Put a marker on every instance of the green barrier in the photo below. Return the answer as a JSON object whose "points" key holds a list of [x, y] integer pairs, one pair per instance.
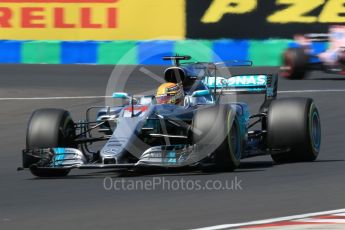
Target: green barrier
{"points": [[117, 52], [267, 52], [35, 52], [200, 50]]}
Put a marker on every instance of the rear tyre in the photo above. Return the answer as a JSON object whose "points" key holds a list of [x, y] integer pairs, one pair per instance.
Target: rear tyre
{"points": [[49, 128], [217, 134], [296, 62], [294, 124], [341, 57]]}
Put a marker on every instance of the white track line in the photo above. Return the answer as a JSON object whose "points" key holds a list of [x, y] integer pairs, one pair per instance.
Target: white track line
{"points": [[268, 221], [95, 97], [50, 98], [313, 91]]}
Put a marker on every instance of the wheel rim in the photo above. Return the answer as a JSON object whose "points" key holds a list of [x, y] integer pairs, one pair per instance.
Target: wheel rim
{"points": [[315, 130], [67, 134]]}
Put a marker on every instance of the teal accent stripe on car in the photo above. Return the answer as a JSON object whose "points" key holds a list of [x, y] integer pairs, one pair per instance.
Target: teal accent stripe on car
{"points": [[261, 52]]}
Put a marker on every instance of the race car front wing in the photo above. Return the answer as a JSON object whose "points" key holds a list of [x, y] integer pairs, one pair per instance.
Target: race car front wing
{"points": [[69, 158]]}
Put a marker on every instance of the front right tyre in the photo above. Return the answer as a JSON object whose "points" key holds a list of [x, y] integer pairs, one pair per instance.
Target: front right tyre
{"points": [[217, 134]]}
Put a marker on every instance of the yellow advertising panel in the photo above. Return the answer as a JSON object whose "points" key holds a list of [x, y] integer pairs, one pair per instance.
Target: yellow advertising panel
{"points": [[92, 19]]}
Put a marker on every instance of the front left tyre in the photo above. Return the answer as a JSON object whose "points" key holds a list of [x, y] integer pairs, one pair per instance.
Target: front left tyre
{"points": [[49, 128]]}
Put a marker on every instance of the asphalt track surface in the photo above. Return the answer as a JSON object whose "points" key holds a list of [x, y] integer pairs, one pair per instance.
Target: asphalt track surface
{"points": [[80, 201]]}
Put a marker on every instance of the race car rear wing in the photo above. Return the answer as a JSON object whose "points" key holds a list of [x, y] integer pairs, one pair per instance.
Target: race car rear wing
{"points": [[318, 37], [216, 76], [176, 59], [244, 84]]}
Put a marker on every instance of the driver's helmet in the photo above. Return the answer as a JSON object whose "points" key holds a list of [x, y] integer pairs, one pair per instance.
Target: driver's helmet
{"points": [[170, 93]]}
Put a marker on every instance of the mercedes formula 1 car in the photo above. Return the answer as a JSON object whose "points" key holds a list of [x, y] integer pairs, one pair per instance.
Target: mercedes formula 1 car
{"points": [[203, 133], [310, 52]]}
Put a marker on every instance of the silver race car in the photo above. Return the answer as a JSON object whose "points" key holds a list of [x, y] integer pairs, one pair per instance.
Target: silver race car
{"points": [[203, 132]]}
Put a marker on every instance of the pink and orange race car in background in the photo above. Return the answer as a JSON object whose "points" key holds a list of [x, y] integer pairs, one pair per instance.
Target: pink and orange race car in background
{"points": [[315, 52]]}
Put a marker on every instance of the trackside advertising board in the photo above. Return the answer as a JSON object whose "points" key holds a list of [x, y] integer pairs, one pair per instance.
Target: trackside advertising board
{"points": [[260, 19], [165, 19], [92, 19]]}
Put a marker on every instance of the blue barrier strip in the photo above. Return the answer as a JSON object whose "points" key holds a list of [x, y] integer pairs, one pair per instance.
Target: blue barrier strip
{"points": [[144, 52], [79, 52], [10, 51], [230, 50], [151, 52]]}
